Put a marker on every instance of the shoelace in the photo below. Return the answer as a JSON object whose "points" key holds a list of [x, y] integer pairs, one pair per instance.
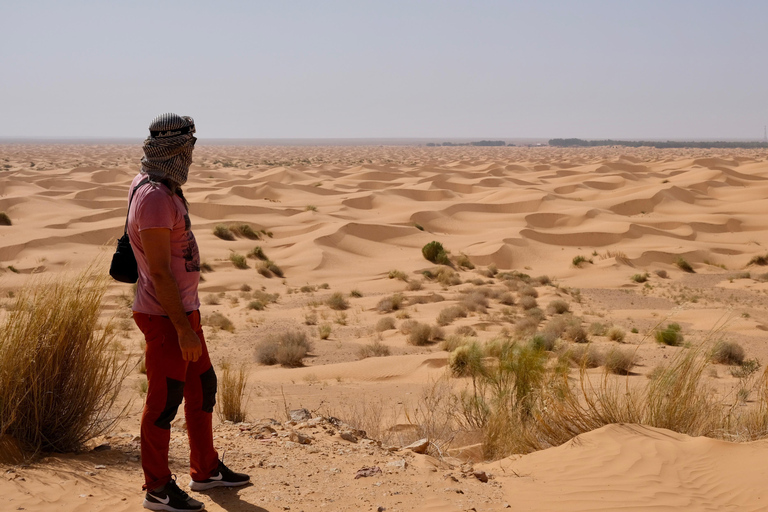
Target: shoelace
{"points": [[174, 487]]}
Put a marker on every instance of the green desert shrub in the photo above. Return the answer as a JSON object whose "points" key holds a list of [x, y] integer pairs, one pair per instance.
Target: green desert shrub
{"points": [[257, 253], [434, 252], [640, 278], [244, 231], [288, 348], [466, 360], [223, 232], [238, 260], [684, 265], [672, 335], [579, 260]]}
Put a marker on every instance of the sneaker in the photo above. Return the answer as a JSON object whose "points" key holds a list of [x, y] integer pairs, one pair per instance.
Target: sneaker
{"points": [[171, 498], [224, 477]]}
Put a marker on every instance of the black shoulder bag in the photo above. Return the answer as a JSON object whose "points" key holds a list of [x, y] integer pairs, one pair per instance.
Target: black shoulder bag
{"points": [[123, 267]]}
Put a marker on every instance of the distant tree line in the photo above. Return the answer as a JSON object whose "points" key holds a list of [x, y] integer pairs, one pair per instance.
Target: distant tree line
{"points": [[479, 143], [567, 143]]}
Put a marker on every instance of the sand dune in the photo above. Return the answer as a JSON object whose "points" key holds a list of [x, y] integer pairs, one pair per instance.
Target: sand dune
{"points": [[354, 219]]}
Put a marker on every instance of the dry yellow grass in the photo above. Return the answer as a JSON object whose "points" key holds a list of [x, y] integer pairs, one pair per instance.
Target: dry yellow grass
{"points": [[59, 376], [231, 399]]}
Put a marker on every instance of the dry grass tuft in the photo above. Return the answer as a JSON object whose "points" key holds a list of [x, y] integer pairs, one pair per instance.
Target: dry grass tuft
{"points": [[373, 349], [728, 352], [288, 348], [385, 324], [230, 398], [257, 253], [616, 334], [238, 260], [337, 302], [558, 307], [392, 303], [223, 232], [620, 362], [219, 321], [451, 313], [59, 376]]}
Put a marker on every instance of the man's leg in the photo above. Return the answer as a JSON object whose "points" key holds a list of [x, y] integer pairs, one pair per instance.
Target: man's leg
{"points": [[199, 400], [166, 372]]}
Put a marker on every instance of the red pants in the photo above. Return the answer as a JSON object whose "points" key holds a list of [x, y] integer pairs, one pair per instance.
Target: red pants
{"points": [[171, 379]]}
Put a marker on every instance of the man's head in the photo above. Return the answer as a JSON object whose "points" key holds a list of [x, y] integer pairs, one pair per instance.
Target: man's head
{"points": [[168, 149]]}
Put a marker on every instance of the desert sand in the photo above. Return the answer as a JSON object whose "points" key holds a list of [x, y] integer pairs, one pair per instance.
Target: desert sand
{"points": [[341, 219]]}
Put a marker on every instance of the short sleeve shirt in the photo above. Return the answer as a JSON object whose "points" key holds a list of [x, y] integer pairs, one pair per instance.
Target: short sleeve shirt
{"points": [[153, 207]]}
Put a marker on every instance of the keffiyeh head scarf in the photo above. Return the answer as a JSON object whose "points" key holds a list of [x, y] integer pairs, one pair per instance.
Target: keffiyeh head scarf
{"points": [[168, 149]]}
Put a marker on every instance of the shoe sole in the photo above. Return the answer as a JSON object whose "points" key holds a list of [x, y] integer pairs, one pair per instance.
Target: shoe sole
{"points": [[159, 506], [202, 486]]}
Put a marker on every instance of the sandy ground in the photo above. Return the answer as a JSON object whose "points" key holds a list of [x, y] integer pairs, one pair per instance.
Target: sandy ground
{"points": [[340, 220]]}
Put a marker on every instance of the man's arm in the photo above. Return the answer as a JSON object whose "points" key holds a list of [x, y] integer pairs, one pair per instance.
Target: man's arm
{"points": [[157, 248]]}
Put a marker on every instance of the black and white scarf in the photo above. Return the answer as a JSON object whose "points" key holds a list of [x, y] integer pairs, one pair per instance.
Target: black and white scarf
{"points": [[168, 149]]}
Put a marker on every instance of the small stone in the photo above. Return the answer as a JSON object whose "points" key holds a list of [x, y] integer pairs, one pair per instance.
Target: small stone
{"points": [[380, 509], [348, 436], [399, 464], [300, 438], [299, 415], [102, 448], [100, 466], [481, 475], [419, 446]]}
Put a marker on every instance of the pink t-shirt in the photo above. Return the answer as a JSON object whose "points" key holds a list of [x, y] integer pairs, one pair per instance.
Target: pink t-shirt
{"points": [[154, 206]]}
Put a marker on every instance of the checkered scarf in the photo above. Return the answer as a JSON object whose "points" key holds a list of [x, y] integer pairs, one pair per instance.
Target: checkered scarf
{"points": [[168, 149]]}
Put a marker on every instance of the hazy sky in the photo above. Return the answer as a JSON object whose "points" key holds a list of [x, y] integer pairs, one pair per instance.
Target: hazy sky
{"points": [[388, 68]]}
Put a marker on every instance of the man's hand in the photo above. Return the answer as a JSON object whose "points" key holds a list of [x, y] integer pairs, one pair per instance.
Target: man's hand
{"points": [[189, 342]]}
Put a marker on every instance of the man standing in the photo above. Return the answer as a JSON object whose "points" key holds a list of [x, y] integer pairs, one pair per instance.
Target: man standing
{"points": [[166, 309]]}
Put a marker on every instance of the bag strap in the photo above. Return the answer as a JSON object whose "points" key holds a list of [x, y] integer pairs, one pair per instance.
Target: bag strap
{"points": [[130, 199]]}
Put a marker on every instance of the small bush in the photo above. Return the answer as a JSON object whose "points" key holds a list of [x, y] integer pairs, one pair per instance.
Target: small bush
{"points": [[272, 267], [579, 260], [576, 333], [616, 334], [257, 253], [598, 329], [245, 231], [558, 307], [684, 265], [205, 267], [392, 303], [256, 305], [337, 302], [466, 360], [620, 362], [230, 398], [463, 262], [640, 278], [544, 341], [5, 220], [728, 352], [435, 253], [310, 318], [453, 342], [756, 260], [385, 324], [398, 274], [223, 232], [373, 349], [245, 287], [528, 291], [527, 302], [414, 286], [507, 298], [586, 356], [219, 321], [475, 302], [59, 375], [355, 293], [451, 313], [526, 326], [465, 330], [288, 348], [420, 335], [310, 208], [238, 260], [324, 331], [661, 273], [671, 336], [746, 368]]}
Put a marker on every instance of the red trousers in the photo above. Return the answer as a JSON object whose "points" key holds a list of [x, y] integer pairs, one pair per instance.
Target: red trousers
{"points": [[172, 379]]}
